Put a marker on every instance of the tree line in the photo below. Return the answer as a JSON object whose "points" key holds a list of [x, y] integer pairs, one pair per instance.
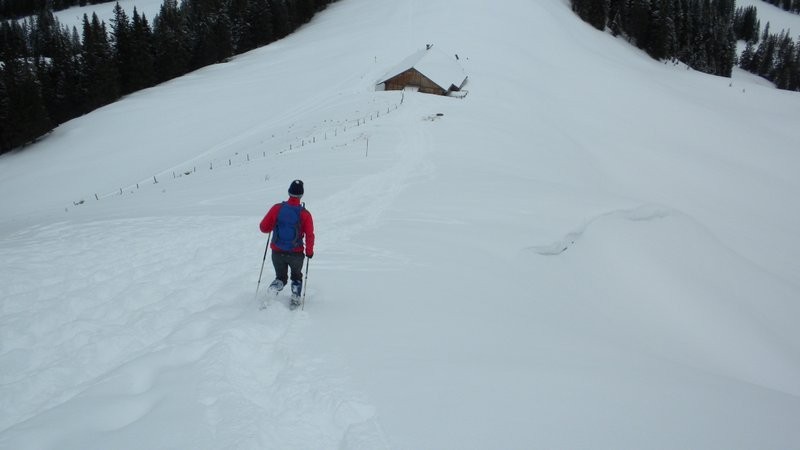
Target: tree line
{"points": [[786, 5], [697, 32], [50, 74], [15, 9], [701, 34], [775, 57]]}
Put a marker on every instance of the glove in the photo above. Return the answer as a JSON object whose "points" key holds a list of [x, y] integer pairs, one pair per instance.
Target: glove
{"points": [[309, 255]]}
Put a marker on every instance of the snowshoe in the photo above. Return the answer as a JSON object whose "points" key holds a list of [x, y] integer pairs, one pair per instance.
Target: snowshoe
{"points": [[272, 291], [276, 286]]}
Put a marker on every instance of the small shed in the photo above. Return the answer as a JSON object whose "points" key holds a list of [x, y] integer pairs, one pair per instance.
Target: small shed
{"points": [[428, 70]]}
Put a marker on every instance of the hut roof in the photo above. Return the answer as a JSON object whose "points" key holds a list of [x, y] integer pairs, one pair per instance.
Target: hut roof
{"points": [[434, 64]]}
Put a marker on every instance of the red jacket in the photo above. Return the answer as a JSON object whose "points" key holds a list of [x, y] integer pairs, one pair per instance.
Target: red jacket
{"points": [[306, 226]]}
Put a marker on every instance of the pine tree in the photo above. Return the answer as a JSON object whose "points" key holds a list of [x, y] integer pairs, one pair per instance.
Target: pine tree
{"points": [[259, 22], [172, 46], [662, 39], [99, 71], [785, 63], [43, 35], [615, 11], [301, 11], [281, 23], [121, 42], [13, 42], [594, 12], [746, 24], [766, 54], [5, 114], [747, 58], [211, 31], [26, 115], [143, 70], [638, 22], [60, 79]]}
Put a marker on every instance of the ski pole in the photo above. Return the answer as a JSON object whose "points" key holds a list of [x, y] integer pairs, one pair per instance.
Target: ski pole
{"points": [[305, 285], [269, 238]]}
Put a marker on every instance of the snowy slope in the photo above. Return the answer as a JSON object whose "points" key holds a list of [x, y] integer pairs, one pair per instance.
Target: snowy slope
{"points": [[73, 17], [777, 18], [591, 250]]}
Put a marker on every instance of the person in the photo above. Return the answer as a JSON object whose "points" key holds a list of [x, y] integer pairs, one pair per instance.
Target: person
{"points": [[292, 228]]}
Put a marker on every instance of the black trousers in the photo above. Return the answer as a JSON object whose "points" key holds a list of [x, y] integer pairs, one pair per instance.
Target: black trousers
{"points": [[284, 261]]}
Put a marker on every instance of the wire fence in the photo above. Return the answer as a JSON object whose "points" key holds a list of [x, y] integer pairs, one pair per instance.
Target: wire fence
{"points": [[339, 133]]}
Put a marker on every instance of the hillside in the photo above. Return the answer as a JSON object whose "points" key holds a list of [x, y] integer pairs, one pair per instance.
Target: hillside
{"points": [[592, 249]]}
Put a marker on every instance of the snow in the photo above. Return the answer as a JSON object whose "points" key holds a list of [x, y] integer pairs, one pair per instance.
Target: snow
{"points": [[591, 250], [73, 17], [777, 17]]}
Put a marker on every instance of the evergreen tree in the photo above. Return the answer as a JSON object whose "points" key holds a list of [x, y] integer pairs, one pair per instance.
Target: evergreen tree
{"points": [[143, 69], [615, 11], [594, 12], [60, 78], [5, 114], [121, 42], [638, 22], [723, 44], [99, 71], [765, 55], [171, 41], [662, 39], [747, 58], [746, 24], [43, 34], [281, 23], [237, 13], [301, 11], [257, 26], [785, 63], [211, 31], [26, 115], [13, 42]]}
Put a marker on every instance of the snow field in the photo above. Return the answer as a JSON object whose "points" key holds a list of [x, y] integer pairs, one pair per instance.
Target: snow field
{"points": [[122, 350], [592, 249]]}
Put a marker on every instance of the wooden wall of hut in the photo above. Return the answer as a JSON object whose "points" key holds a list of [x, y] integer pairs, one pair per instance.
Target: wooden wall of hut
{"points": [[412, 77]]}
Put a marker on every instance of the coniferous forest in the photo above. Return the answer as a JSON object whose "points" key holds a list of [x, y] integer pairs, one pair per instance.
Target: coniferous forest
{"points": [[15, 9], [50, 74], [786, 5], [702, 34]]}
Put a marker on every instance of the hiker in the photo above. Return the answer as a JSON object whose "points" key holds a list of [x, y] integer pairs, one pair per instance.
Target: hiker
{"points": [[290, 223]]}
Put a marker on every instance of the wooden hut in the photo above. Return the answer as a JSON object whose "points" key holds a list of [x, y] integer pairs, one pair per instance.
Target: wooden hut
{"points": [[429, 71]]}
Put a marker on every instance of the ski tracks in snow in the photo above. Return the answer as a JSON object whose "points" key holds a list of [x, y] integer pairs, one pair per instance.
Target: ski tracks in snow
{"points": [[359, 207], [153, 321]]}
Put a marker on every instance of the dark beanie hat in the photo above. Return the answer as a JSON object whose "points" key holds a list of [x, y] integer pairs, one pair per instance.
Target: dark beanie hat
{"points": [[296, 188]]}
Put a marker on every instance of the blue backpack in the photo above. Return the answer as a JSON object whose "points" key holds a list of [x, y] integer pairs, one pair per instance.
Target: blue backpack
{"points": [[286, 235]]}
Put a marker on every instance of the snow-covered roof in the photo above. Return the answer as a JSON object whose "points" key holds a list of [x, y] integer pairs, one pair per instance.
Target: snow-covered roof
{"points": [[436, 65]]}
